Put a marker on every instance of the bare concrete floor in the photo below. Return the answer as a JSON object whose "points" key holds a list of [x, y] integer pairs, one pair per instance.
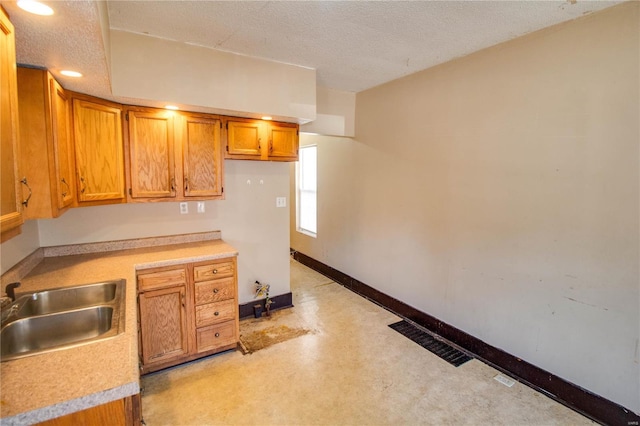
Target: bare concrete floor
{"points": [[333, 360]]}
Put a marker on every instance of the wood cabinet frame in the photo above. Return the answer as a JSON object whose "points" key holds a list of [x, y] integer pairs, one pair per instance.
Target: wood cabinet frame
{"points": [[221, 319], [181, 157], [248, 139], [113, 160], [11, 220], [47, 153]]}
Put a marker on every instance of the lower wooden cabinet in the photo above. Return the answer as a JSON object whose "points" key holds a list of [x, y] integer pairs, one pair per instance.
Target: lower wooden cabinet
{"points": [[187, 312], [126, 412], [164, 328]]}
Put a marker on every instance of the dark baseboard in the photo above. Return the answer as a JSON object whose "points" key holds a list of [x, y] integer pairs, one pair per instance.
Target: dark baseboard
{"points": [[573, 396], [281, 301]]}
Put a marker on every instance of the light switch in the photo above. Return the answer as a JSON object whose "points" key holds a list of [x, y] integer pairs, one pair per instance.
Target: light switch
{"points": [[281, 201], [184, 208], [200, 206]]}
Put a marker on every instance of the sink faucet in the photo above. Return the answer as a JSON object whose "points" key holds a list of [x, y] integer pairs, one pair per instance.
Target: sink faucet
{"points": [[11, 290]]}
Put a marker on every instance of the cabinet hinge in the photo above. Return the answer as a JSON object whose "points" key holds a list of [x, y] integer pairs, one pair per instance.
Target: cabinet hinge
{"points": [[227, 148], [227, 124], [223, 189], [220, 124], [126, 116], [130, 192]]}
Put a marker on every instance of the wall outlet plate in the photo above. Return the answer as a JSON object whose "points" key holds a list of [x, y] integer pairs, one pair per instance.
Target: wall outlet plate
{"points": [[281, 201], [184, 208]]}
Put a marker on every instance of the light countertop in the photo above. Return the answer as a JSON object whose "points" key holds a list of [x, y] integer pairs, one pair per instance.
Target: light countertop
{"points": [[48, 385]]}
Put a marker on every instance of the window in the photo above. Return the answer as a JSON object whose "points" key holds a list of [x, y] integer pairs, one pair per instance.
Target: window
{"points": [[306, 190]]}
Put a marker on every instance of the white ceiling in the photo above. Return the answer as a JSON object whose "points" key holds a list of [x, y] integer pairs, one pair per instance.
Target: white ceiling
{"points": [[353, 45]]}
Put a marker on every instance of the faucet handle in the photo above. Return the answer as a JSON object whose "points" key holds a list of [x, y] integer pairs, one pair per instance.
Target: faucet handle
{"points": [[11, 290]]}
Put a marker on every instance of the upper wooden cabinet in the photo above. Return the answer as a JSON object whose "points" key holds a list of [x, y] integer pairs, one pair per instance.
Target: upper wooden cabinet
{"points": [[261, 140], [46, 150], [173, 156], [151, 168], [10, 202], [97, 129], [201, 156]]}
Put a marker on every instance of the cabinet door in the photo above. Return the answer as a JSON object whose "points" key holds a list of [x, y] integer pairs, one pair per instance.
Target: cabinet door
{"points": [[10, 205], [151, 155], [283, 141], [99, 151], [163, 324], [244, 137], [62, 148], [202, 163]]}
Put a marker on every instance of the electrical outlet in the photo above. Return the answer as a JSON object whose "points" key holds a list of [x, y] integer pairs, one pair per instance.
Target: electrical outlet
{"points": [[281, 201], [200, 206], [184, 208]]}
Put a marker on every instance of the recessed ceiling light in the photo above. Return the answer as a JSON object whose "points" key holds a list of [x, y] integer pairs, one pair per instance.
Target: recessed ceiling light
{"points": [[70, 73], [267, 117], [172, 107], [35, 7]]}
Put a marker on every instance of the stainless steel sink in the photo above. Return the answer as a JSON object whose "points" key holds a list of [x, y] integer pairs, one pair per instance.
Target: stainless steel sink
{"points": [[56, 319], [63, 299]]}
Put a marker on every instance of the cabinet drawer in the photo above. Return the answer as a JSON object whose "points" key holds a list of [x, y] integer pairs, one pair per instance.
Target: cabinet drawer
{"points": [[215, 291], [161, 279], [213, 313], [213, 271], [215, 336]]}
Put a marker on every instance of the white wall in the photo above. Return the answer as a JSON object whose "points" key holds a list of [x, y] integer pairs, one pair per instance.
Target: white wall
{"points": [[146, 67], [248, 219], [500, 193], [335, 113], [17, 248]]}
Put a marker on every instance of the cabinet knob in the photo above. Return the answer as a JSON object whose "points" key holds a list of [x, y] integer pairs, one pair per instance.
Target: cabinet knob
{"points": [[215, 291], [215, 271], [217, 334], [216, 313]]}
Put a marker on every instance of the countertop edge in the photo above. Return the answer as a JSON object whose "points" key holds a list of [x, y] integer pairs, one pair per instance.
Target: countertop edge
{"points": [[67, 407], [180, 261]]}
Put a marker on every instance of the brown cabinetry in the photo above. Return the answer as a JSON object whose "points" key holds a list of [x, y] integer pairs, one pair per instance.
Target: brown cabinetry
{"points": [[10, 204], [186, 312], [173, 156], [46, 150], [162, 301], [99, 151], [261, 140], [216, 305], [126, 412]]}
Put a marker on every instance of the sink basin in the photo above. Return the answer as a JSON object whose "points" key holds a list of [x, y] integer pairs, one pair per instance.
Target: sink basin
{"points": [[38, 333], [56, 319], [63, 299]]}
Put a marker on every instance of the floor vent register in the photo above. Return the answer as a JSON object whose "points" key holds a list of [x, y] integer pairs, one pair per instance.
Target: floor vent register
{"points": [[450, 354]]}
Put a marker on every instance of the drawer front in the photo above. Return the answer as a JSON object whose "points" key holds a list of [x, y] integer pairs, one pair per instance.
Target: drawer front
{"points": [[215, 291], [213, 271], [157, 280], [216, 336], [213, 313]]}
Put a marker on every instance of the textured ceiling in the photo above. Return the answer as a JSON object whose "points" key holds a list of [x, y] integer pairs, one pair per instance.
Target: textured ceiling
{"points": [[353, 45]]}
